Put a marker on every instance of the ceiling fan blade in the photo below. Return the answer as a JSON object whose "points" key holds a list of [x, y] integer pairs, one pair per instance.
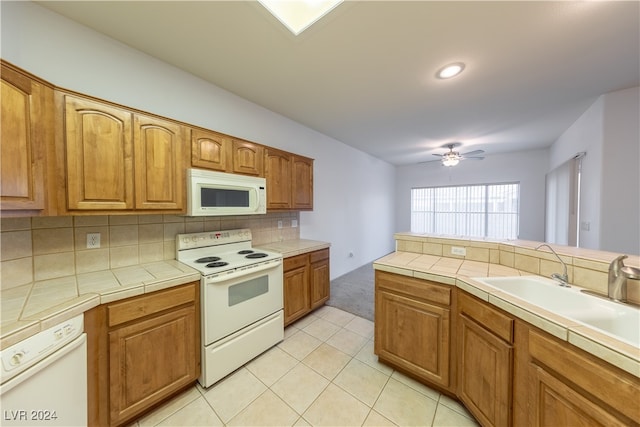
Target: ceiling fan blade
{"points": [[472, 158], [430, 161], [439, 155], [472, 153]]}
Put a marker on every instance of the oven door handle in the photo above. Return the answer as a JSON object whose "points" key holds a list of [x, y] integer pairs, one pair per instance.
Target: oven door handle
{"points": [[243, 272]]}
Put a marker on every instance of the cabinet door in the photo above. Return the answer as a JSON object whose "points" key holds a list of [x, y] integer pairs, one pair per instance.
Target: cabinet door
{"points": [[296, 293], [413, 335], [302, 183], [99, 155], [210, 150], [247, 158], [556, 403], [149, 360], [319, 273], [159, 170], [23, 139], [570, 387], [277, 171], [484, 374]]}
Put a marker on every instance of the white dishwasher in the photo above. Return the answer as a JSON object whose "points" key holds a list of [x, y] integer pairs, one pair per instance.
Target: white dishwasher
{"points": [[44, 378]]}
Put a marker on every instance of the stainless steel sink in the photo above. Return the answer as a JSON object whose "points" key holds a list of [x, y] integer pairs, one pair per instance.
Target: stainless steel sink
{"points": [[618, 320]]}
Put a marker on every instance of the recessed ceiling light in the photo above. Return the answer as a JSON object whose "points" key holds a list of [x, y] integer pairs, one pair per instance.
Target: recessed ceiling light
{"points": [[298, 15], [450, 70]]}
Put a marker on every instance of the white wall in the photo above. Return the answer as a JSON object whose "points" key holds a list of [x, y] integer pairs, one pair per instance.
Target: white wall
{"points": [[620, 198], [527, 167], [610, 199], [353, 206], [585, 135]]}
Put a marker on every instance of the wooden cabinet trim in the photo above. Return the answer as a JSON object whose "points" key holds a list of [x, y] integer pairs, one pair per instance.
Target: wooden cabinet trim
{"points": [[126, 311], [490, 318], [295, 261], [415, 288], [319, 255]]}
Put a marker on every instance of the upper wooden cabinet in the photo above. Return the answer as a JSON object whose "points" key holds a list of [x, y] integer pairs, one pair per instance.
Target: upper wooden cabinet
{"points": [[289, 180], [26, 134], [210, 150], [159, 169], [277, 172], [98, 143], [247, 158], [302, 183], [117, 160]]}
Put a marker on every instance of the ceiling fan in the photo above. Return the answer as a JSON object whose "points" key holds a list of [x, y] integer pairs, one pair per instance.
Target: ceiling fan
{"points": [[452, 158]]}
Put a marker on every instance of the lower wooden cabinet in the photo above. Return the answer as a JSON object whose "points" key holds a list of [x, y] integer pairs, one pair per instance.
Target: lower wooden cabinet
{"points": [[306, 284], [142, 350], [569, 387], [412, 326], [485, 361]]}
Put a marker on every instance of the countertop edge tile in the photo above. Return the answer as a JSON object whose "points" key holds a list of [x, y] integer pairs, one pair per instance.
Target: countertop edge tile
{"points": [[159, 285], [582, 338], [19, 331]]}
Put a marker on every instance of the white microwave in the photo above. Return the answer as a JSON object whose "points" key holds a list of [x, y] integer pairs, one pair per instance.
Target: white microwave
{"points": [[217, 193]]}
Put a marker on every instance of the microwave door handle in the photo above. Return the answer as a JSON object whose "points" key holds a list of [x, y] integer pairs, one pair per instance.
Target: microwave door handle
{"points": [[243, 272]]}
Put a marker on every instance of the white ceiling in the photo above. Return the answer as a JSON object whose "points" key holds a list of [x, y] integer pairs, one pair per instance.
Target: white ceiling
{"points": [[364, 74]]}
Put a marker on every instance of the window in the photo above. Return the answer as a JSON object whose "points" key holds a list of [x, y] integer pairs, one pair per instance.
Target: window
{"points": [[488, 210]]}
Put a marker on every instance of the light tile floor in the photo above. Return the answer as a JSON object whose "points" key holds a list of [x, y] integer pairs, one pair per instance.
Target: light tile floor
{"points": [[324, 373]]}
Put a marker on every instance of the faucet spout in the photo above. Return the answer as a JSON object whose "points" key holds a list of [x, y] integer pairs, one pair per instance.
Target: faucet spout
{"points": [[618, 275], [562, 278]]}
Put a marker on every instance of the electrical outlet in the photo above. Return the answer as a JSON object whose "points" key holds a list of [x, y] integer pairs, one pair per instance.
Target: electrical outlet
{"points": [[456, 250], [294, 223], [93, 240], [279, 224]]}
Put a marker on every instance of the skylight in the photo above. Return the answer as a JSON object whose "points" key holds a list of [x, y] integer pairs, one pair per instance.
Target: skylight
{"points": [[298, 15]]}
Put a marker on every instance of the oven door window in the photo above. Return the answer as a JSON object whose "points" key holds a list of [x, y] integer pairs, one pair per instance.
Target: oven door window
{"points": [[247, 290], [224, 198]]}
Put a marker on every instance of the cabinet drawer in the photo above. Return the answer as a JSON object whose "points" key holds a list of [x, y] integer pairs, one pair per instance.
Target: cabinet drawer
{"points": [[499, 324], [319, 255], [125, 311], [294, 262], [414, 288]]}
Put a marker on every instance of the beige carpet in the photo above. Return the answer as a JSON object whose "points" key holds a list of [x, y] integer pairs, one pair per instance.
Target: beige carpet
{"points": [[353, 292]]}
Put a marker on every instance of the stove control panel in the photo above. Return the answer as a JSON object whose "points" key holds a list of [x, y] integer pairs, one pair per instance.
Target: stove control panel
{"points": [[212, 238]]}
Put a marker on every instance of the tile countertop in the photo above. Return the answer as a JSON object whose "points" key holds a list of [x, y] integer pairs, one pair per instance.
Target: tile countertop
{"points": [[289, 248], [28, 309], [458, 272]]}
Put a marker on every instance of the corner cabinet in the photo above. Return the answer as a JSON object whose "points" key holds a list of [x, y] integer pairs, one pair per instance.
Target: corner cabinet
{"points": [[141, 351], [289, 180], [485, 361], [306, 284], [118, 160], [26, 135], [413, 326]]}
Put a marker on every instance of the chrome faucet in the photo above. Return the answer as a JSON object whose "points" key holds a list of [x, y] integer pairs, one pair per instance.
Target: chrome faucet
{"points": [[618, 275], [563, 278]]}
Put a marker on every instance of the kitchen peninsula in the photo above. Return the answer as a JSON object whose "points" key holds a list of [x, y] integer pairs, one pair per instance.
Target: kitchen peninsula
{"points": [[509, 361]]}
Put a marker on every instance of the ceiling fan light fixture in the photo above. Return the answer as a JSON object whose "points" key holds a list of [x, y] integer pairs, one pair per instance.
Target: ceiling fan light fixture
{"points": [[450, 161], [449, 71]]}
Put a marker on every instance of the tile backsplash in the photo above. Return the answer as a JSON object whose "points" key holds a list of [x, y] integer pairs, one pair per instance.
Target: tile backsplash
{"points": [[42, 248]]}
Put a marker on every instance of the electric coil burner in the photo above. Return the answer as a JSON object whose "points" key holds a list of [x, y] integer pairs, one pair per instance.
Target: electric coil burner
{"points": [[241, 298]]}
